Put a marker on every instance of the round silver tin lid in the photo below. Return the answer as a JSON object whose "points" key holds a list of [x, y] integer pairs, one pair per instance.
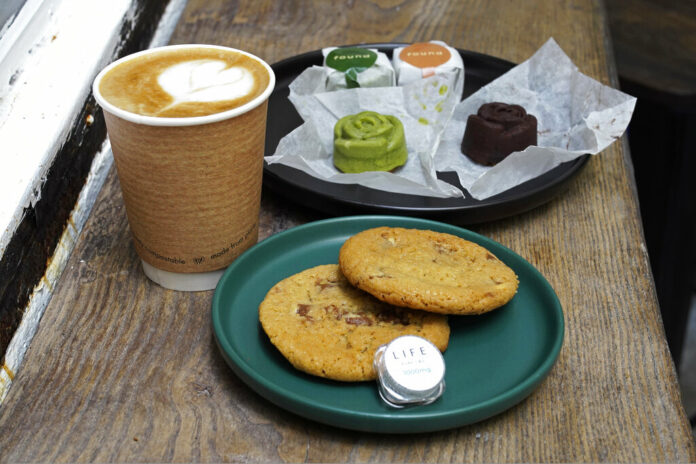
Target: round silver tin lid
{"points": [[410, 371]]}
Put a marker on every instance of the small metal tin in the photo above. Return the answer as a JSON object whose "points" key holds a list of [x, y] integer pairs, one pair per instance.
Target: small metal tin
{"points": [[410, 371]]}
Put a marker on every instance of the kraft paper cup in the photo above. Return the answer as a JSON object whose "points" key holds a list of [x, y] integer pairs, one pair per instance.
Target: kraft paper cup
{"points": [[191, 186]]}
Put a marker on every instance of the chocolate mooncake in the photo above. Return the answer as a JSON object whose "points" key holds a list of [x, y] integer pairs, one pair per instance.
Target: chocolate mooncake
{"points": [[497, 130]]}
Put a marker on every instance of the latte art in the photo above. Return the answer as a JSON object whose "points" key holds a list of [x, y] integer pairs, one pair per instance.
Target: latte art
{"points": [[185, 82], [206, 81]]}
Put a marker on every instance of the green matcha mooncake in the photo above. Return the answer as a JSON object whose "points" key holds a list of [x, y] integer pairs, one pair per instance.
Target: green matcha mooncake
{"points": [[369, 141]]}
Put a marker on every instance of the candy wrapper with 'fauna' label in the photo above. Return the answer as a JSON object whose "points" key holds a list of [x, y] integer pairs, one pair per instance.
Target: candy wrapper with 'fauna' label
{"points": [[576, 115], [351, 67], [423, 107], [425, 59]]}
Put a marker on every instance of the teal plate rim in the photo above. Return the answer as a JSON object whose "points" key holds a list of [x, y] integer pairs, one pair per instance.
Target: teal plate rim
{"points": [[494, 361]]}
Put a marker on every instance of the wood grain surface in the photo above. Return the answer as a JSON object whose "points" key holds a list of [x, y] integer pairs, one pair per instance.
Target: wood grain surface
{"points": [[655, 43], [124, 371]]}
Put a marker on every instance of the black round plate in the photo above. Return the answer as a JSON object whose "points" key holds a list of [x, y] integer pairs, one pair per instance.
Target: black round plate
{"points": [[343, 199]]}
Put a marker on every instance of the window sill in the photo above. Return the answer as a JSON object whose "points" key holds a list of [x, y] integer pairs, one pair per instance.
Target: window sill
{"points": [[55, 155]]}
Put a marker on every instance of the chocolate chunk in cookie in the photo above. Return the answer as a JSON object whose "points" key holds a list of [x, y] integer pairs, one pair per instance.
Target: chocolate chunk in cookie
{"points": [[326, 327]]}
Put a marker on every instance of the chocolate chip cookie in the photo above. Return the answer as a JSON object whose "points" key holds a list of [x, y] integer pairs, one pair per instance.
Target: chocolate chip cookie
{"points": [[427, 270], [326, 327]]}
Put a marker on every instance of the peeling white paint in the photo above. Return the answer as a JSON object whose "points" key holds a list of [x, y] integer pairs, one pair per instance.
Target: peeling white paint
{"points": [[75, 39], [48, 67], [44, 289]]}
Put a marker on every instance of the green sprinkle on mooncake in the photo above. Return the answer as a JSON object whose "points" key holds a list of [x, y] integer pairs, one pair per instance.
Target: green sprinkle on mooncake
{"points": [[369, 141]]}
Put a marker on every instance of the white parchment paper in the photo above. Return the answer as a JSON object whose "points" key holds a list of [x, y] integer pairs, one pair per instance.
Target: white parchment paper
{"points": [[424, 108], [576, 115]]}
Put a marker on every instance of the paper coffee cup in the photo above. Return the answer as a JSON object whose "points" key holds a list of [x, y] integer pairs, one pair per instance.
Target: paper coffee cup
{"points": [[191, 182]]}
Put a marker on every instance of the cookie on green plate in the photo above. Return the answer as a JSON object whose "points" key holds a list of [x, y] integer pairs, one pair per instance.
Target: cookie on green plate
{"points": [[427, 270], [326, 327]]}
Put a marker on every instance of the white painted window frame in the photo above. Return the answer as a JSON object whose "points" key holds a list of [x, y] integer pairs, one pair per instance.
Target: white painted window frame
{"points": [[50, 51]]}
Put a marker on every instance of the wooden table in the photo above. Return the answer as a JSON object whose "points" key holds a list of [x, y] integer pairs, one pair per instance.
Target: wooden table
{"points": [[655, 48], [122, 370]]}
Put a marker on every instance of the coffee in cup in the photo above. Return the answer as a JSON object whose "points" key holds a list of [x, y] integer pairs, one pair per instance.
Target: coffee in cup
{"points": [[184, 82], [187, 129]]}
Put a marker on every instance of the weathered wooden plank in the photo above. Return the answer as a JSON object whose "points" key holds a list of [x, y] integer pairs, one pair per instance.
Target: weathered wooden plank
{"points": [[655, 43]]}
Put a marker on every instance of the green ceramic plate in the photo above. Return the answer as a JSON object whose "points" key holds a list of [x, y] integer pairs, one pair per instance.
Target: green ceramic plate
{"points": [[493, 361]]}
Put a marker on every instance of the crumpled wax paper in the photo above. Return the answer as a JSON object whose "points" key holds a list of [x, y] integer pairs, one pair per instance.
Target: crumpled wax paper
{"points": [[576, 115], [424, 108]]}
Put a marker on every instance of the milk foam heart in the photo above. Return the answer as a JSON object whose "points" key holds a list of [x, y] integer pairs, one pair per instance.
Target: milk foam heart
{"points": [[184, 81], [205, 81]]}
